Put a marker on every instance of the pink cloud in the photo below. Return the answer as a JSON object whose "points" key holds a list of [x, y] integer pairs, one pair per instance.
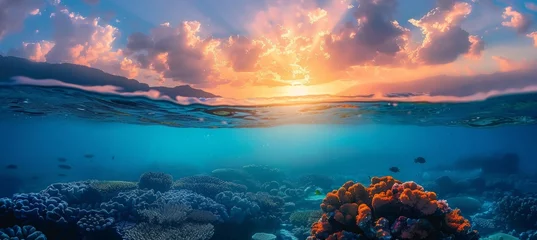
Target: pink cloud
{"points": [[477, 47], [33, 51], [177, 53], [445, 40], [80, 40], [507, 65], [514, 19], [533, 36]]}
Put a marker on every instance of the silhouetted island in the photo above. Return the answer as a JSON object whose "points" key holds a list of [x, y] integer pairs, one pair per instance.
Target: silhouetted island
{"points": [[86, 76]]}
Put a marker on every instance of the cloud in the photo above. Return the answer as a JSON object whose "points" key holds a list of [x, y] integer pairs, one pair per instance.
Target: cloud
{"points": [[243, 53], [14, 12], [177, 53], [457, 86], [80, 40], [507, 65], [533, 36], [317, 15], [514, 19], [531, 6], [374, 39], [445, 40], [33, 51], [477, 46], [287, 44]]}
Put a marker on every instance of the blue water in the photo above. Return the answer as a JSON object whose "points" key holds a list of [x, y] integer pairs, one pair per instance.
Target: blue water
{"points": [[35, 138]]}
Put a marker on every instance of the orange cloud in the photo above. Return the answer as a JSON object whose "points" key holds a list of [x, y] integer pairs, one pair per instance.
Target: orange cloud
{"points": [[516, 20], [507, 64], [33, 51]]}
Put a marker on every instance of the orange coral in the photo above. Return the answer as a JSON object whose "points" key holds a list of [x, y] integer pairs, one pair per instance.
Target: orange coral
{"points": [[425, 202], [381, 184], [364, 214], [355, 205], [347, 213], [321, 225], [331, 202], [359, 193], [456, 222], [382, 199]]}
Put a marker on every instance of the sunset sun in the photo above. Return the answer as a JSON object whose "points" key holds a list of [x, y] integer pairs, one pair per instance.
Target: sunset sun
{"points": [[297, 90]]}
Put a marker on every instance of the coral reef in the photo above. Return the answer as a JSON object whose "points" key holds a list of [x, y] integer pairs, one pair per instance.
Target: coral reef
{"points": [[202, 216], [95, 222], [516, 212], [305, 218], [187, 231], [195, 201], [207, 186], [35, 208], [6, 206], [386, 209], [109, 189], [166, 214], [264, 236], [72, 192], [22, 233], [238, 206], [157, 181]]}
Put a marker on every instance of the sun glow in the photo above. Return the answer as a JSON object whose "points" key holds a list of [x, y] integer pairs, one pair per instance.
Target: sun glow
{"points": [[296, 90]]}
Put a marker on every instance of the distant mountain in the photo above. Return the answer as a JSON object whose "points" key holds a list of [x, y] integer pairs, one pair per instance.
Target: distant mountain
{"points": [[86, 76], [444, 85]]}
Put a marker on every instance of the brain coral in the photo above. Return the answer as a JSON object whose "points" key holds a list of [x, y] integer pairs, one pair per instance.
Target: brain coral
{"points": [[388, 209]]}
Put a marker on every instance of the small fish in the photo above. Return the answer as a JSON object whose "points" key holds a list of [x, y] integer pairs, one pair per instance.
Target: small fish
{"points": [[35, 178], [12, 166], [113, 157], [89, 155], [394, 169], [60, 159], [318, 192], [419, 160], [62, 175], [64, 166]]}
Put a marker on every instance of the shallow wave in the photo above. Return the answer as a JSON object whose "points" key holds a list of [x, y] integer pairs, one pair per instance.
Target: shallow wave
{"points": [[26, 97]]}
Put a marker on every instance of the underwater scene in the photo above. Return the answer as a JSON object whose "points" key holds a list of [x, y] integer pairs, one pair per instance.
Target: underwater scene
{"points": [[85, 165], [268, 120]]}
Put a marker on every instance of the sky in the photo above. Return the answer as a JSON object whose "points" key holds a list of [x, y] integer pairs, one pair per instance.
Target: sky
{"points": [[266, 48]]}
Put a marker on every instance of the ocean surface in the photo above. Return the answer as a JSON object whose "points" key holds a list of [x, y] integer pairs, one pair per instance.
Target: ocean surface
{"points": [[57, 142]]}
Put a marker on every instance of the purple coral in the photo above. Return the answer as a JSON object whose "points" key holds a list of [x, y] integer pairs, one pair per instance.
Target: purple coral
{"points": [[94, 223], [207, 186], [194, 201], [517, 212], [72, 192], [6, 207], [157, 181], [35, 207], [238, 205], [22, 233]]}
